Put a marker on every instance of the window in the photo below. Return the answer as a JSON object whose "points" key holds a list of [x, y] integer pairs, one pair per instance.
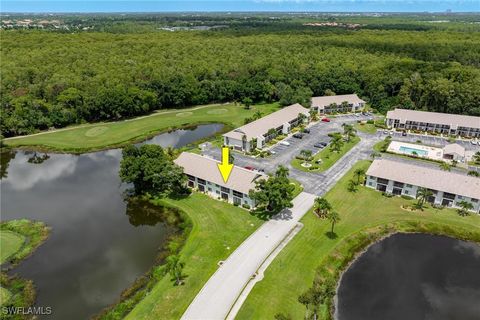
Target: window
{"points": [[217, 192], [237, 194], [225, 189], [382, 181], [474, 200], [408, 185], [191, 178], [398, 184], [201, 181], [405, 192], [209, 189], [370, 184]]}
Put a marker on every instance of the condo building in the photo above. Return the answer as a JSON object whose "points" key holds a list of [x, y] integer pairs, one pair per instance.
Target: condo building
{"points": [[257, 133], [400, 178], [450, 124], [203, 174], [337, 104]]}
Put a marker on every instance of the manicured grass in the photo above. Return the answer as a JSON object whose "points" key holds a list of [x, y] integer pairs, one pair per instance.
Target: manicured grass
{"points": [[5, 296], [111, 134], [327, 156], [217, 229], [366, 127], [293, 271], [10, 243], [31, 234]]}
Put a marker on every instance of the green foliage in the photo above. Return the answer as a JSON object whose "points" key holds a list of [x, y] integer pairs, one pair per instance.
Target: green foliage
{"points": [[337, 142], [274, 193], [465, 206], [128, 67], [151, 170]]}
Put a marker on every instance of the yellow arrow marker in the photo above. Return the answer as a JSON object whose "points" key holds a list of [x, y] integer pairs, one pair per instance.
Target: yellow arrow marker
{"points": [[225, 168]]}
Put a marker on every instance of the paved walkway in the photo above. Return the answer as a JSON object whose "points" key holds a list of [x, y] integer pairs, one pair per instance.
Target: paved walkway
{"points": [[219, 294]]}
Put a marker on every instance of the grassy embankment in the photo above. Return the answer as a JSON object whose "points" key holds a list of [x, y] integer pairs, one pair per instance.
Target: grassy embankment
{"points": [[217, 229], [18, 239], [366, 128], [327, 157], [98, 136], [294, 270]]}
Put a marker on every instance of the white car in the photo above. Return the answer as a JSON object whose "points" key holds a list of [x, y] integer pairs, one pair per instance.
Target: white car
{"points": [[285, 143], [356, 115], [272, 152]]}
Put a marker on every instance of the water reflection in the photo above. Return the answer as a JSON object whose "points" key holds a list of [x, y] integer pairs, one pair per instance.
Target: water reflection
{"points": [[413, 276], [99, 244]]}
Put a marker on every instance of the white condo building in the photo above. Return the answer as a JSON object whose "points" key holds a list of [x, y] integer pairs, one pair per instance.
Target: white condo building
{"points": [[341, 103], [448, 188]]}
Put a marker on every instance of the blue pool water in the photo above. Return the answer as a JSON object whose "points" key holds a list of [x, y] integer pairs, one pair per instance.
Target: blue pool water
{"points": [[412, 150]]}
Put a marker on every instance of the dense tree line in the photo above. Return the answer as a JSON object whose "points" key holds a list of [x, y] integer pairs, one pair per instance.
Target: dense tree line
{"points": [[53, 79]]}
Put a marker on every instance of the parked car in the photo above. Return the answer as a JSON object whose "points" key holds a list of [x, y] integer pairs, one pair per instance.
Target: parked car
{"points": [[404, 133], [298, 136], [306, 130], [325, 120], [356, 115], [272, 152], [249, 168], [385, 131], [285, 143], [319, 145]]}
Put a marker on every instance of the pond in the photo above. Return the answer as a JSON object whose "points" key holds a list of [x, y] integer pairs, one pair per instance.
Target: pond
{"points": [[412, 276], [99, 244]]}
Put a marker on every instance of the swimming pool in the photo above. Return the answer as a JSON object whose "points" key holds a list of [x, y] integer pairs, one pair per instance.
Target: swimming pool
{"points": [[413, 151]]}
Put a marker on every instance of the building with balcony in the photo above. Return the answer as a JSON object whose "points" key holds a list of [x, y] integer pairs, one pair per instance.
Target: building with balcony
{"points": [[257, 133], [400, 178], [434, 122], [337, 104], [203, 174]]}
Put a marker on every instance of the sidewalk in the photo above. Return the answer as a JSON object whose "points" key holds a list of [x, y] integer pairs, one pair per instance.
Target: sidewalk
{"points": [[219, 294]]}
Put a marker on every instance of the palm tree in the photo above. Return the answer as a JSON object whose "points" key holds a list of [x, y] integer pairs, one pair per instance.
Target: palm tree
{"points": [[313, 115], [336, 144], [473, 173], [352, 186], [282, 172], [171, 152], [359, 173], [422, 196], [334, 218], [464, 208], [476, 157], [348, 131], [374, 155], [445, 166], [306, 154], [257, 115], [322, 207], [175, 268]]}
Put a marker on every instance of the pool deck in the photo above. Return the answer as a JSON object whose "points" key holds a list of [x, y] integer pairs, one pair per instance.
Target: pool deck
{"points": [[431, 152]]}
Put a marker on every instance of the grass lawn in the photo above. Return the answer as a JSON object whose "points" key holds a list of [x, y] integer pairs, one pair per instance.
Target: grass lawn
{"points": [[366, 127], [22, 238], [327, 156], [98, 136], [217, 229], [5, 295], [293, 271], [10, 243]]}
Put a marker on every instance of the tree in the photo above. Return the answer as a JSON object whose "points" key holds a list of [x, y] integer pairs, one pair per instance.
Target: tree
{"points": [[422, 195], [473, 173], [274, 193], [247, 102], [306, 154], [257, 115], [445, 166], [151, 170], [374, 155], [322, 207], [171, 152], [334, 218], [175, 267], [352, 186], [337, 143], [313, 115], [476, 157], [359, 173], [464, 208], [329, 92], [348, 131]]}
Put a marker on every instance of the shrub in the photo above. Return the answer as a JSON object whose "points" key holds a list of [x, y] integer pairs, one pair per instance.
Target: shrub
{"points": [[246, 206]]}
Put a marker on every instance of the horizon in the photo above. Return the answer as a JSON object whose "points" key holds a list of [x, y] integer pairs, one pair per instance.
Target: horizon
{"points": [[242, 6]]}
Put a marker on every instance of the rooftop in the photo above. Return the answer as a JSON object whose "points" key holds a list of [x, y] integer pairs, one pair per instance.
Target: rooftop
{"points": [[240, 179], [328, 100], [426, 177], [434, 117], [454, 148], [261, 126]]}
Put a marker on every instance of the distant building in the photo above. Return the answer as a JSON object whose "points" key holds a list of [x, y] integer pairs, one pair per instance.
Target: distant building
{"points": [[341, 103], [255, 134], [448, 188], [451, 124], [203, 174]]}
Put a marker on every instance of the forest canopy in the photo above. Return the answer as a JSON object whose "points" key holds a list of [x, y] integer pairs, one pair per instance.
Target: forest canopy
{"points": [[53, 79]]}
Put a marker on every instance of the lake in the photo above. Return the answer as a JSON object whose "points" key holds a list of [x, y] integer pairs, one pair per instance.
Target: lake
{"points": [[98, 245], [414, 277]]}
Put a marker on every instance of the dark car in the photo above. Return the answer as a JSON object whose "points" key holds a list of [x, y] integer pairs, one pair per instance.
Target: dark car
{"points": [[306, 130], [319, 145], [404, 133], [298, 135]]}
